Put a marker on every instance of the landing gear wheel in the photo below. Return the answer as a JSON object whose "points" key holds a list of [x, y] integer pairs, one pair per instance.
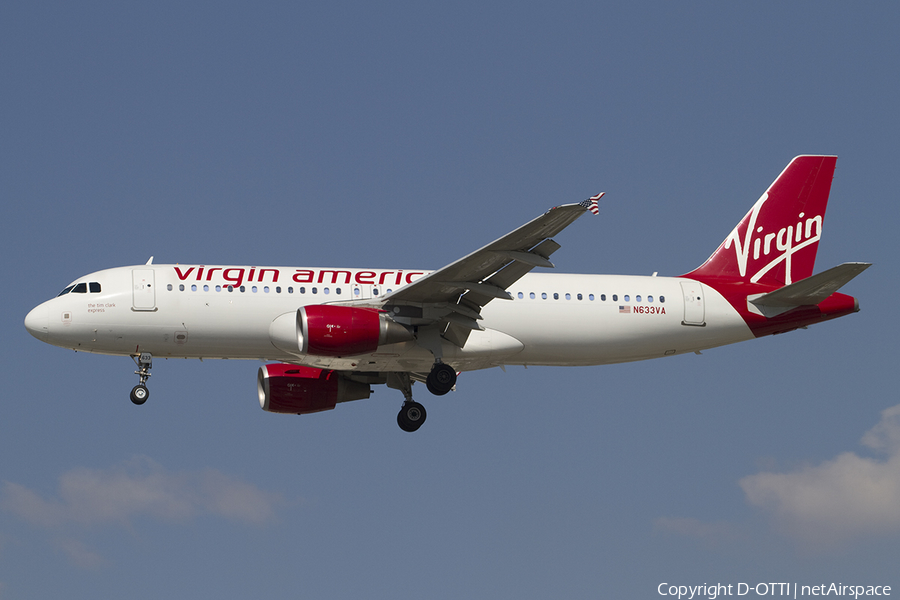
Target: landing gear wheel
{"points": [[144, 362], [139, 394], [441, 379], [411, 416]]}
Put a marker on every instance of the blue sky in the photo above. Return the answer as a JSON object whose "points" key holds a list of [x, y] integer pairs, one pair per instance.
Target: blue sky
{"points": [[407, 135]]}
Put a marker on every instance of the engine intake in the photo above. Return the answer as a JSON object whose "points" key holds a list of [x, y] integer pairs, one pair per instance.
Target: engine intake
{"points": [[325, 330], [294, 389]]}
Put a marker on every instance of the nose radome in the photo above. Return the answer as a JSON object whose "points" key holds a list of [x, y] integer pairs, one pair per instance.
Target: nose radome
{"points": [[37, 322]]}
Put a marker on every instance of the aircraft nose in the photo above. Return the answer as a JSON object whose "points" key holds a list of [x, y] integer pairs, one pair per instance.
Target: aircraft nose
{"points": [[37, 322]]}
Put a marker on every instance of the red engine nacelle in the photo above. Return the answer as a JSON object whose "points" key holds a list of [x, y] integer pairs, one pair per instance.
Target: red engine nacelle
{"points": [[299, 390], [339, 330], [325, 330]]}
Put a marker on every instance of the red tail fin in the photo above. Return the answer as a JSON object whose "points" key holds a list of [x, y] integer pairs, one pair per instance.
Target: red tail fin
{"points": [[776, 242]]}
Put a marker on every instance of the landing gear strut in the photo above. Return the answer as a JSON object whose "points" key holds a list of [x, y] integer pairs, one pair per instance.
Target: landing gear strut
{"points": [[140, 393], [441, 379], [412, 414]]}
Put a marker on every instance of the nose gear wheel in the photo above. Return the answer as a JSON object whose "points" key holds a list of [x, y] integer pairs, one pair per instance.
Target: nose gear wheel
{"points": [[140, 393]]}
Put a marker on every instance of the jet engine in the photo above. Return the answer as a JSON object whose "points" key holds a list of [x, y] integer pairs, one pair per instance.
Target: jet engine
{"points": [[299, 390], [326, 330]]}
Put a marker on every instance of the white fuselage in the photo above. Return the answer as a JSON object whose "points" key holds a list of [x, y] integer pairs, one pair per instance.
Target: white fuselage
{"points": [[226, 312]]}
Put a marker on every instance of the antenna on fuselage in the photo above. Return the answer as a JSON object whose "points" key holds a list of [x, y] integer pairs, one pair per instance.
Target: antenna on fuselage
{"points": [[150, 262]]}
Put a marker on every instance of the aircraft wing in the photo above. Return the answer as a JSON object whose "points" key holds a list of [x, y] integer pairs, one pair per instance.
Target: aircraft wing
{"points": [[456, 293]]}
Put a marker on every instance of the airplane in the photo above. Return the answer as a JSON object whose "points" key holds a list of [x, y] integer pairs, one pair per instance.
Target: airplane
{"points": [[330, 334]]}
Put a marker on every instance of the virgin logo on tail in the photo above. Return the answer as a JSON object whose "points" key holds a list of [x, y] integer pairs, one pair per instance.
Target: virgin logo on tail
{"points": [[776, 242], [786, 240]]}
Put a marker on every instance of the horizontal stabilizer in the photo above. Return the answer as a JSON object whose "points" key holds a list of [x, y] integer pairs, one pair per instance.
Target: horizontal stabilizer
{"points": [[806, 292]]}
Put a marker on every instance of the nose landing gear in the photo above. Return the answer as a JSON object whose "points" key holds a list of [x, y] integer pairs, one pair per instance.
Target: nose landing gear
{"points": [[140, 393]]}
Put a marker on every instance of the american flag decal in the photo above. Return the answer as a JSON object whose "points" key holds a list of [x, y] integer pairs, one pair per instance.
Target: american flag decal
{"points": [[591, 203], [625, 309]]}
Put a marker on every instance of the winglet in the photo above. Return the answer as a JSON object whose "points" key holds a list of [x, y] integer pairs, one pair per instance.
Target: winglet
{"points": [[591, 203]]}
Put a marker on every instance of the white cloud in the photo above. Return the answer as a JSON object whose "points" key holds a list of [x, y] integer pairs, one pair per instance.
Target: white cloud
{"points": [[79, 554], [140, 487], [847, 496], [886, 435]]}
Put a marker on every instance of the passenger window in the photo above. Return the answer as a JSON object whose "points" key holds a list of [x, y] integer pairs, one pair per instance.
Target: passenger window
{"points": [[180, 287], [194, 287], [579, 297], [531, 295], [520, 295], [590, 297], [602, 297], [277, 289], [302, 290], [555, 296], [375, 291], [637, 298], [543, 295], [615, 297], [356, 291], [266, 289], [662, 298], [627, 298], [94, 287], [253, 289], [218, 288], [205, 288], [337, 291], [243, 289], [230, 288], [169, 287], [649, 298], [568, 296], [290, 290]]}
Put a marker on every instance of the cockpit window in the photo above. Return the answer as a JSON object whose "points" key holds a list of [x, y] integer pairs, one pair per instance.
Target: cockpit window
{"points": [[81, 288]]}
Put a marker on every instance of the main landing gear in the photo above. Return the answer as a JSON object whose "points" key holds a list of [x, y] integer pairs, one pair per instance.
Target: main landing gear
{"points": [[412, 415], [441, 379], [140, 393]]}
